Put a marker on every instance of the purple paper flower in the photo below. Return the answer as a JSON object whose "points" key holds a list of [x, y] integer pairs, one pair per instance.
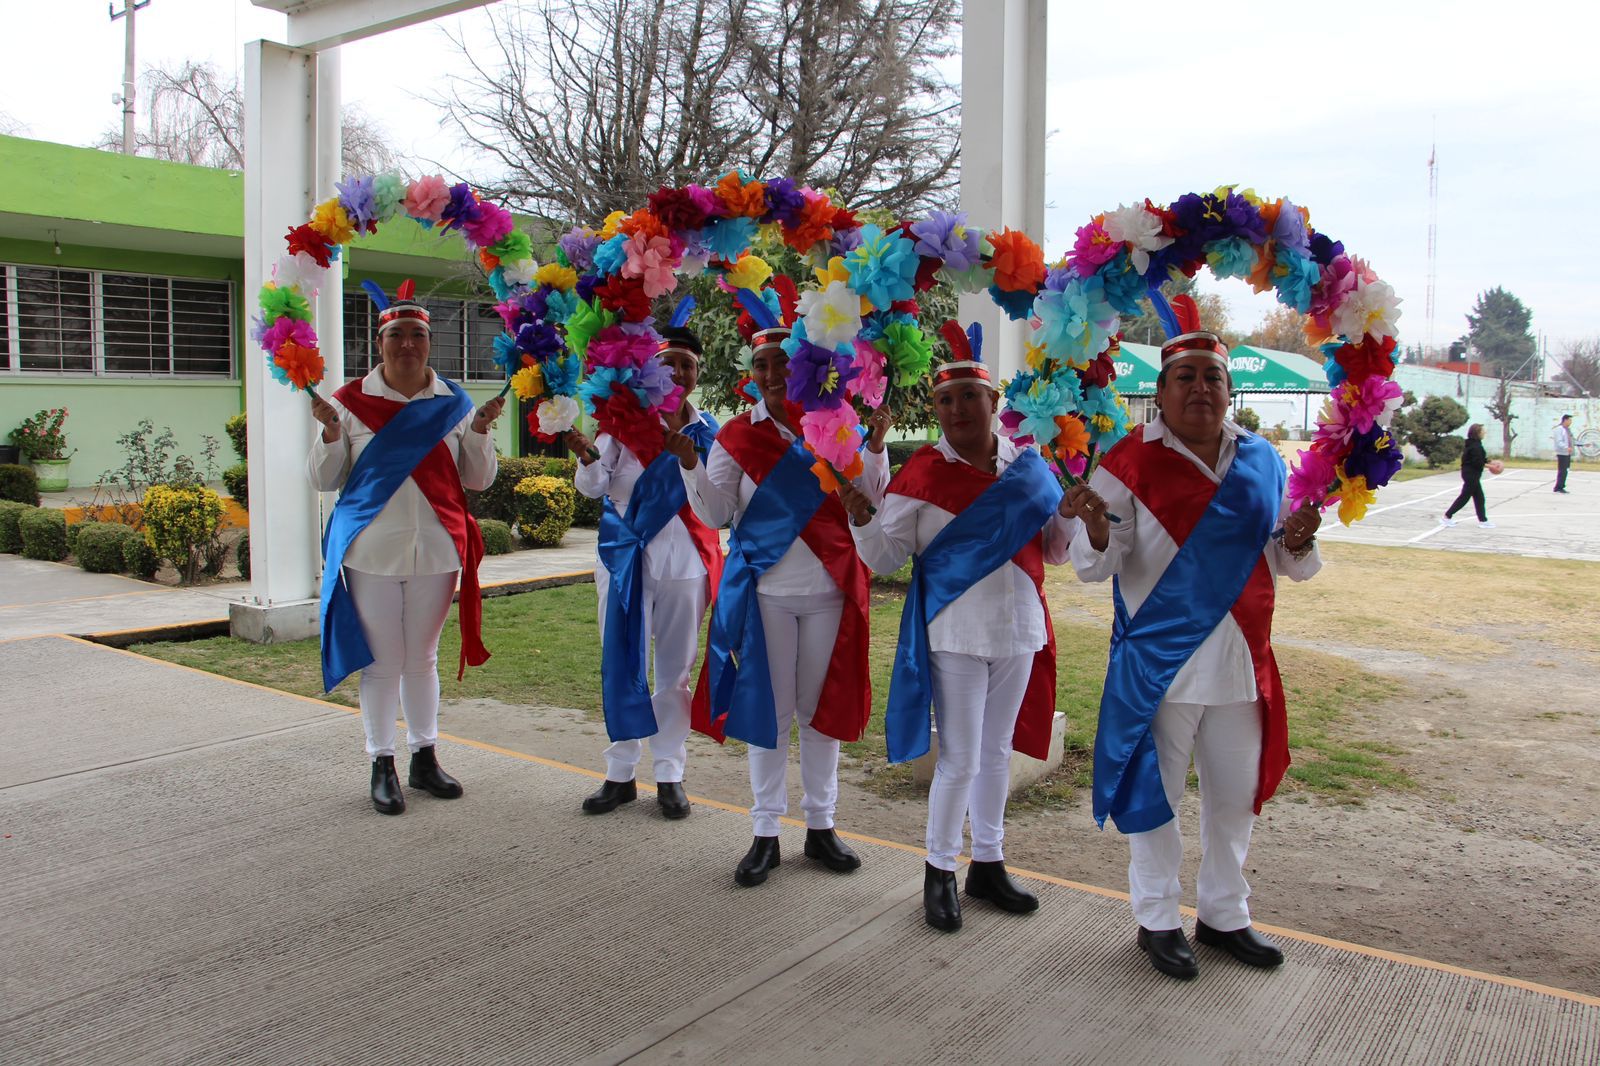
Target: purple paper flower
{"points": [[653, 383], [586, 287], [356, 197], [538, 339], [462, 208], [578, 246], [785, 201], [945, 235], [844, 241], [1374, 456], [1290, 229], [1325, 249], [817, 376]]}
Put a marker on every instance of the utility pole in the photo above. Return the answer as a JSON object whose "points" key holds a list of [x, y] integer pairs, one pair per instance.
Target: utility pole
{"points": [[129, 71], [1433, 241]]}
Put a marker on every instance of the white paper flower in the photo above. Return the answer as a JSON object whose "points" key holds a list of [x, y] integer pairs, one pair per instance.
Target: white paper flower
{"points": [[298, 271], [1373, 308], [832, 315], [1140, 229], [520, 274], [557, 415]]}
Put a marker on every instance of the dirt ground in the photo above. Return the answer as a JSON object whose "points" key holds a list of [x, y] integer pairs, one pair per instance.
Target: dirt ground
{"points": [[1491, 861]]}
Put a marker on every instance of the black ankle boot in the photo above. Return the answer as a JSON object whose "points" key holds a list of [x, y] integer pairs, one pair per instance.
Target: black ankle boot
{"points": [[940, 904], [757, 862], [428, 776], [990, 881], [609, 796], [825, 846], [386, 794]]}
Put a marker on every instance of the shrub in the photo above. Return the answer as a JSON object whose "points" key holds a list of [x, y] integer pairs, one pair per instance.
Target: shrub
{"points": [[236, 479], [73, 529], [235, 429], [241, 555], [138, 558], [44, 534], [1248, 419], [496, 536], [585, 511], [901, 450], [182, 524], [98, 546], [1429, 429], [19, 483], [544, 510], [499, 500], [10, 513]]}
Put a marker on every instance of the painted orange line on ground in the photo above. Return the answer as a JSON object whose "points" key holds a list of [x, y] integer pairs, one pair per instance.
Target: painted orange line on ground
{"points": [[541, 577], [1275, 930], [84, 599], [155, 629]]}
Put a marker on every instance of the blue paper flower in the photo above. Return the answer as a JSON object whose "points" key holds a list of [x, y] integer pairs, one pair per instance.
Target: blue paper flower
{"points": [[1017, 305], [1325, 249], [600, 383], [1124, 287], [559, 306], [1331, 366], [727, 238], [561, 374], [1294, 277], [1042, 402], [507, 356], [609, 257], [883, 268], [1231, 257], [1375, 456], [497, 284]]}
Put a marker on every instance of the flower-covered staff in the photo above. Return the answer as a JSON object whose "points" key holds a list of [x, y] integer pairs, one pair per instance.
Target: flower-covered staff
{"points": [[788, 638], [401, 445], [979, 516], [1191, 668], [659, 563]]}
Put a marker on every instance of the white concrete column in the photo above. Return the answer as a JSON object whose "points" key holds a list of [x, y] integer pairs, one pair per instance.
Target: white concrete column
{"points": [[280, 123], [1002, 144]]}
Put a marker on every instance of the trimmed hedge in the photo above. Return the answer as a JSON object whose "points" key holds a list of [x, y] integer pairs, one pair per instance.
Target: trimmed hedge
{"points": [[44, 534], [237, 434], [138, 558], [544, 510], [901, 450], [98, 546], [496, 536], [236, 479], [241, 555], [19, 484], [11, 512], [499, 499]]}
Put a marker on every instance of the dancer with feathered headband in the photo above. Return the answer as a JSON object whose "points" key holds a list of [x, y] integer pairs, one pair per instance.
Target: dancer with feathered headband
{"points": [[401, 445], [1206, 531]]}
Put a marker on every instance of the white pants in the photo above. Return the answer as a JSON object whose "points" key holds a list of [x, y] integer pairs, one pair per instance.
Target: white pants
{"points": [[1225, 740], [975, 703], [672, 614], [800, 635], [402, 618]]}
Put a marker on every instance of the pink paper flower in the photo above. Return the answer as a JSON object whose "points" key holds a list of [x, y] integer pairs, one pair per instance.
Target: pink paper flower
{"points": [[1094, 247], [1010, 422], [1334, 428], [1373, 400], [489, 226], [832, 434], [426, 198], [614, 347], [1311, 476], [652, 260], [288, 329], [871, 382]]}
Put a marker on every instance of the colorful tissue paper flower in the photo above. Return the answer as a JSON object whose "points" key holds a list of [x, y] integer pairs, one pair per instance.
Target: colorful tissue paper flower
{"points": [[556, 415], [883, 267], [643, 223], [1370, 358], [538, 340], [652, 260], [1140, 229], [1354, 498], [560, 306], [1371, 310], [728, 238], [1231, 257], [298, 270], [748, 272], [1076, 324], [812, 225], [561, 374], [1093, 248], [462, 208], [740, 198], [625, 297], [1016, 303], [426, 198], [832, 315], [528, 383], [388, 195], [817, 376], [945, 235], [972, 279], [907, 353], [784, 201], [519, 273], [615, 347], [277, 302], [600, 382], [1101, 371], [871, 383], [301, 366], [1371, 401], [578, 246], [286, 330], [1294, 276], [1124, 287], [488, 226], [355, 196], [1017, 263], [833, 434], [506, 355], [1337, 281], [611, 256], [329, 219], [1312, 474], [1039, 405], [1330, 364], [652, 383], [678, 209], [1374, 457], [1072, 438], [303, 240], [1324, 249], [1334, 429], [257, 330], [1215, 215]]}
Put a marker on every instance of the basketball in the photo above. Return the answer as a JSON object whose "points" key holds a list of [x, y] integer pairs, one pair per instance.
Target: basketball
{"points": [[1496, 466]]}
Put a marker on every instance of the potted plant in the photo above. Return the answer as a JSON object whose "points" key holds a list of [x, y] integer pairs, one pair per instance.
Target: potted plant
{"points": [[42, 443]]}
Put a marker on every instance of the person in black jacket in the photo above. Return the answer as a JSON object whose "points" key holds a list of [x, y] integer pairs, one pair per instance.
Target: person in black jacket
{"points": [[1473, 460]]}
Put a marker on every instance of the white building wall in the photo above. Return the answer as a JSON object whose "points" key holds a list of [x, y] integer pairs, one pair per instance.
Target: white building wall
{"points": [[1534, 416]]}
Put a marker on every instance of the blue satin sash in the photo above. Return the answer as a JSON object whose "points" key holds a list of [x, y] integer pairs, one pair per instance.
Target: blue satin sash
{"points": [[740, 677], [658, 496], [703, 431], [977, 542], [388, 459], [1195, 592]]}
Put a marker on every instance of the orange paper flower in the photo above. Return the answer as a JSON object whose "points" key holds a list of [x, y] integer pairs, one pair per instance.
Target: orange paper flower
{"points": [[646, 222], [741, 198], [1073, 438], [1018, 263], [303, 366], [814, 224], [825, 476], [488, 259]]}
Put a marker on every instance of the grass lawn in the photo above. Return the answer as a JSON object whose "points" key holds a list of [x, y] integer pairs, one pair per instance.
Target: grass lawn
{"points": [[546, 653]]}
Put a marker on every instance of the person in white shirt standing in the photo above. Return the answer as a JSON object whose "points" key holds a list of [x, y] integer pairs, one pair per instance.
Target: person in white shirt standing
{"points": [[1563, 443], [681, 564], [1205, 530], [399, 539], [980, 515]]}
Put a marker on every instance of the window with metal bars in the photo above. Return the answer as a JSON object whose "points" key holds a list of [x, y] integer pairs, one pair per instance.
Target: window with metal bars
{"points": [[101, 323]]}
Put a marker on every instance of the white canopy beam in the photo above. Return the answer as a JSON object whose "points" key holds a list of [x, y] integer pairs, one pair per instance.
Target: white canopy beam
{"points": [[315, 25]]}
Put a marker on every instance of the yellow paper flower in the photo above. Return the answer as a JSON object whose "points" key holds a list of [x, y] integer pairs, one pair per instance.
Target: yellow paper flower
{"points": [[613, 220], [557, 277], [1036, 356], [330, 220], [749, 273], [1354, 498], [528, 383], [834, 271]]}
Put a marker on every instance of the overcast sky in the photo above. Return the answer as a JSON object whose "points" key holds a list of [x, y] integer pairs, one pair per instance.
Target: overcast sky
{"points": [[1334, 106]]}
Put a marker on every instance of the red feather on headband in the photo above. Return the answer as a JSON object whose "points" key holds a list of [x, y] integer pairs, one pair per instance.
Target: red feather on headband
{"points": [[406, 291], [956, 337], [1187, 313]]}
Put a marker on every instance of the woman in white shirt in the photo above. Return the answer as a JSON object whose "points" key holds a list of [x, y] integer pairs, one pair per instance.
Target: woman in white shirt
{"points": [[401, 568], [987, 642]]}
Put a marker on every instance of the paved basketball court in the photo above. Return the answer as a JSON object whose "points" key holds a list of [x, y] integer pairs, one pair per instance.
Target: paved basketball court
{"points": [[193, 874]]}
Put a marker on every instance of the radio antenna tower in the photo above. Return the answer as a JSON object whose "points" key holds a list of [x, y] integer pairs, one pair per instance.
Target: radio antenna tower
{"points": [[1433, 240]]}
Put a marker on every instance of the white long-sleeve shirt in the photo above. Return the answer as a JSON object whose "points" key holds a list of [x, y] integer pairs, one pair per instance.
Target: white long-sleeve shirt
{"points": [[406, 537], [671, 555], [1139, 550], [719, 491], [1000, 615]]}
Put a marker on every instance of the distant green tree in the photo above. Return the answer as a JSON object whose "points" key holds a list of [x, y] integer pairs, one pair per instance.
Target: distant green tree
{"points": [[1429, 429], [1500, 335]]}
